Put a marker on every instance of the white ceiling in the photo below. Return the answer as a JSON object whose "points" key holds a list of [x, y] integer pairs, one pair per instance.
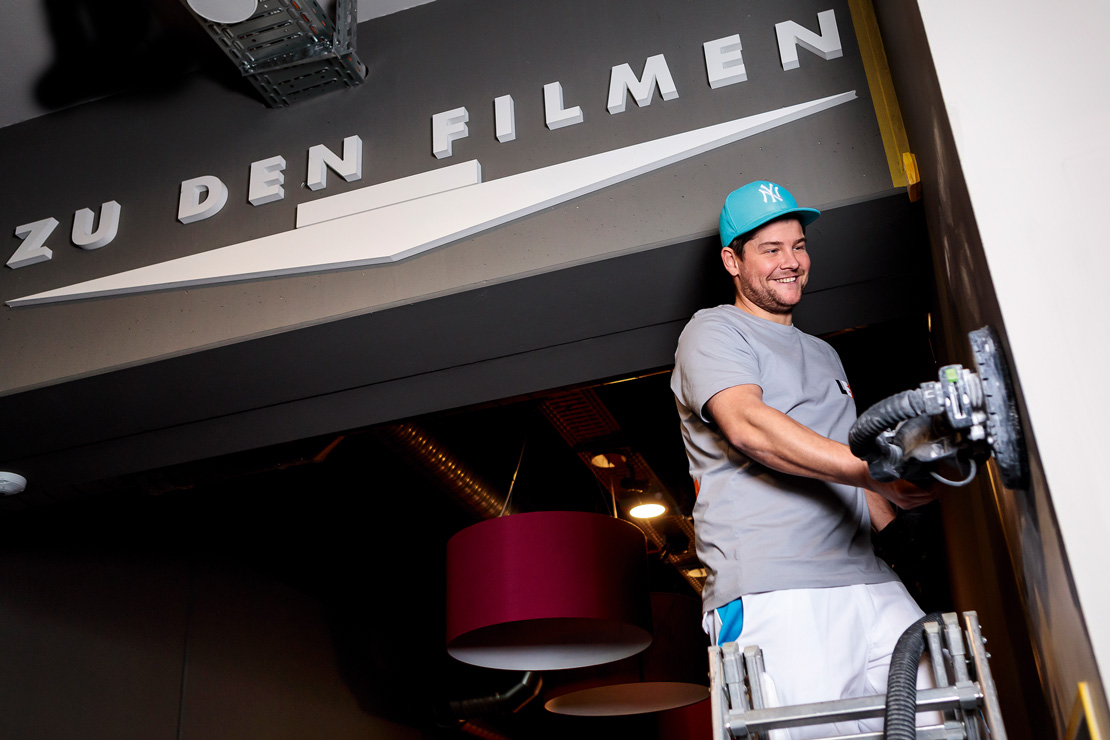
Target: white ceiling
{"points": [[29, 50]]}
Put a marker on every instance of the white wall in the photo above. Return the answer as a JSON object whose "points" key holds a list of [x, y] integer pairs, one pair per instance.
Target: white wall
{"points": [[1027, 89]]}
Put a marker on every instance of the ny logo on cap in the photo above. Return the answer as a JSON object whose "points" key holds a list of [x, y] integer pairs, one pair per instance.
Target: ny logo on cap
{"points": [[771, 190]]}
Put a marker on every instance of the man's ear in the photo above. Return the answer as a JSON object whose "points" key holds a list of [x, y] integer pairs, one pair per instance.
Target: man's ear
{"points": [[731, 261]]}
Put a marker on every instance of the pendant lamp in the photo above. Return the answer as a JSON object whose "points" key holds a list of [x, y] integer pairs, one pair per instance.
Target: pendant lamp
{"points": [[547, 590], [672, 673], [692, 722]]}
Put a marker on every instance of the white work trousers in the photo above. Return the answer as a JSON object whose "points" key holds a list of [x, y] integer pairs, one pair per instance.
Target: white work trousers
{"points": [[821, 644]]}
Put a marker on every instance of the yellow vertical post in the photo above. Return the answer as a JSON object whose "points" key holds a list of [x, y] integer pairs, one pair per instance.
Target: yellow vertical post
{"points": [[903, 166]]}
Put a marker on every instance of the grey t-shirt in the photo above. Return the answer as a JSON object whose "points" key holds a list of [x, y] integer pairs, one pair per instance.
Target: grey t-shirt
{"points": [[757, 529]]}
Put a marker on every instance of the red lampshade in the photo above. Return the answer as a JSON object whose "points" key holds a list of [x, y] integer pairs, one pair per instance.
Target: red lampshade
{"points": [[692, 722], [672, 673], [547, 590]]}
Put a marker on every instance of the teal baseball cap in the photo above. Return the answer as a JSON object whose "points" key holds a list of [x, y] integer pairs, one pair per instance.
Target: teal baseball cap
{"points": [[753, 205]]}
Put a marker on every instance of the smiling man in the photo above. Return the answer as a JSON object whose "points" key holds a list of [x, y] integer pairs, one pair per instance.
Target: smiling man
{"points": [[784, 510]]}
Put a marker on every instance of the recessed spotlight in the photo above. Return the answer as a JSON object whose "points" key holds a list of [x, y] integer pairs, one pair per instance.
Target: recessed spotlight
{"points": [[646, 511], [607, 460]]}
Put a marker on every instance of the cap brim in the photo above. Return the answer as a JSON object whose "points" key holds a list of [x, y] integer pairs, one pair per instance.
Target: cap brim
{"points": [[805, 215]]}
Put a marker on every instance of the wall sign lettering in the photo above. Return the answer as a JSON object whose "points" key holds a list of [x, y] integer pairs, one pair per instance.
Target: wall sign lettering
{"points": [[204, 196]]}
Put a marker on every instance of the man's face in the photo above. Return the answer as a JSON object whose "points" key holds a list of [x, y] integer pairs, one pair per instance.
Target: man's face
{"points": [[774, 270]]}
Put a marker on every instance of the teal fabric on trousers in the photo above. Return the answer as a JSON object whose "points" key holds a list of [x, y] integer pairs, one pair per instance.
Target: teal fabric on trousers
{"points": [[732, 621]]}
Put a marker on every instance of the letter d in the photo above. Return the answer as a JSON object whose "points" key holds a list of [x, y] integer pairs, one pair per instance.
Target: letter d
{"points": [[201, 198]]}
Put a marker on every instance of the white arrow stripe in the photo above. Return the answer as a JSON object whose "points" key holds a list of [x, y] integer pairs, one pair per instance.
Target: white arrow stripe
{"points": [[404, 229], [389, 193]]}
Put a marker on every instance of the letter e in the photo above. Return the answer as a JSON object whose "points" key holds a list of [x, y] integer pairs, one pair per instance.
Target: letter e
{"points": [[724, 61], [266, 180]]}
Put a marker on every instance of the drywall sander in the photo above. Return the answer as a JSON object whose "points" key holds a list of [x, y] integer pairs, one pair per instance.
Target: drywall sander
{"points": [[955, 423]]}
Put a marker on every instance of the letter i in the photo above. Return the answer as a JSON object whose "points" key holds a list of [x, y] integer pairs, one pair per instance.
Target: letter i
{"points": [[504, 114]]}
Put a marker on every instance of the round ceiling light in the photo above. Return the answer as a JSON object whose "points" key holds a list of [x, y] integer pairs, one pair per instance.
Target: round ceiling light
{"points": [[12, 483], [608, 460], [647, 510], [224, 11]]}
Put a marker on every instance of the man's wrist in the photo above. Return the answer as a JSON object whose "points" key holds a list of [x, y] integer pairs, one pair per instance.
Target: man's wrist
{"points": [[861, 476]]}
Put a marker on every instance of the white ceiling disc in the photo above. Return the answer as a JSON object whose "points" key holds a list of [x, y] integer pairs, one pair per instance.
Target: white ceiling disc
{"points": [[224, 11], [11, 483]]}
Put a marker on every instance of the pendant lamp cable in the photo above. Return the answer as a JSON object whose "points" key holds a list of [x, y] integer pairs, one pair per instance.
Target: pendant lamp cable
{"points": [[509, 495]]}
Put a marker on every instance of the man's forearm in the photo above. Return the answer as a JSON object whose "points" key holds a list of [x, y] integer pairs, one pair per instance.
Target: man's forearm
{"points": [[776, 441], [881, 510]]}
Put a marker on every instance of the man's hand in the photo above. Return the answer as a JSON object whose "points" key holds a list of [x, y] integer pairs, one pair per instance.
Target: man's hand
{"points": [[904, 494]]}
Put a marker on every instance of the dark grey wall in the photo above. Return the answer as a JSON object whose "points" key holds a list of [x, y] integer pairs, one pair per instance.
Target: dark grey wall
{"points": [[108, 645], [137, 149]]}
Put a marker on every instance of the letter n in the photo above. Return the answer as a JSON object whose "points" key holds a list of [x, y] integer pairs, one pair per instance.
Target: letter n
{"points": [[792, 35]]}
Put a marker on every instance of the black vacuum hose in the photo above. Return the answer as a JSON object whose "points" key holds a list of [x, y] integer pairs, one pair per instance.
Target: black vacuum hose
{"points": [[900, 722], [882, 416]]}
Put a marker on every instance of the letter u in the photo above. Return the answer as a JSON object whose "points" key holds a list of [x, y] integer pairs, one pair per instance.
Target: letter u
{"points": [[83, 235]]}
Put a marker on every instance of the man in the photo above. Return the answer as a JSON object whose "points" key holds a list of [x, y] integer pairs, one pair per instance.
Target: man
{"points": [[784, 510]]}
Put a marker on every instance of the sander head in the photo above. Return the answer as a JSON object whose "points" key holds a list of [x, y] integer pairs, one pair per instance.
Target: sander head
{"points": [[960, 420], [1004, 434]]}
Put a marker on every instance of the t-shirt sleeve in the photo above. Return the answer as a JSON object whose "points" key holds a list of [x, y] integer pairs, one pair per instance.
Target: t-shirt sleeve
{"points": [[712, 355]]}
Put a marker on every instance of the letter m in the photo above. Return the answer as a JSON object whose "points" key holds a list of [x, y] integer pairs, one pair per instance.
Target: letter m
{"points": [[792, 35], [623, 81]]}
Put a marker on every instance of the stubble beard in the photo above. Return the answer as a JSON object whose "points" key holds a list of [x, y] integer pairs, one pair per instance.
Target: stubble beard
{"points": [[766, 298]]}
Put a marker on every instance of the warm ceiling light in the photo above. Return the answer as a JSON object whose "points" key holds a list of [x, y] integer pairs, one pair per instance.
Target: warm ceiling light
{"points": [[607, 460], [646, 511]]}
